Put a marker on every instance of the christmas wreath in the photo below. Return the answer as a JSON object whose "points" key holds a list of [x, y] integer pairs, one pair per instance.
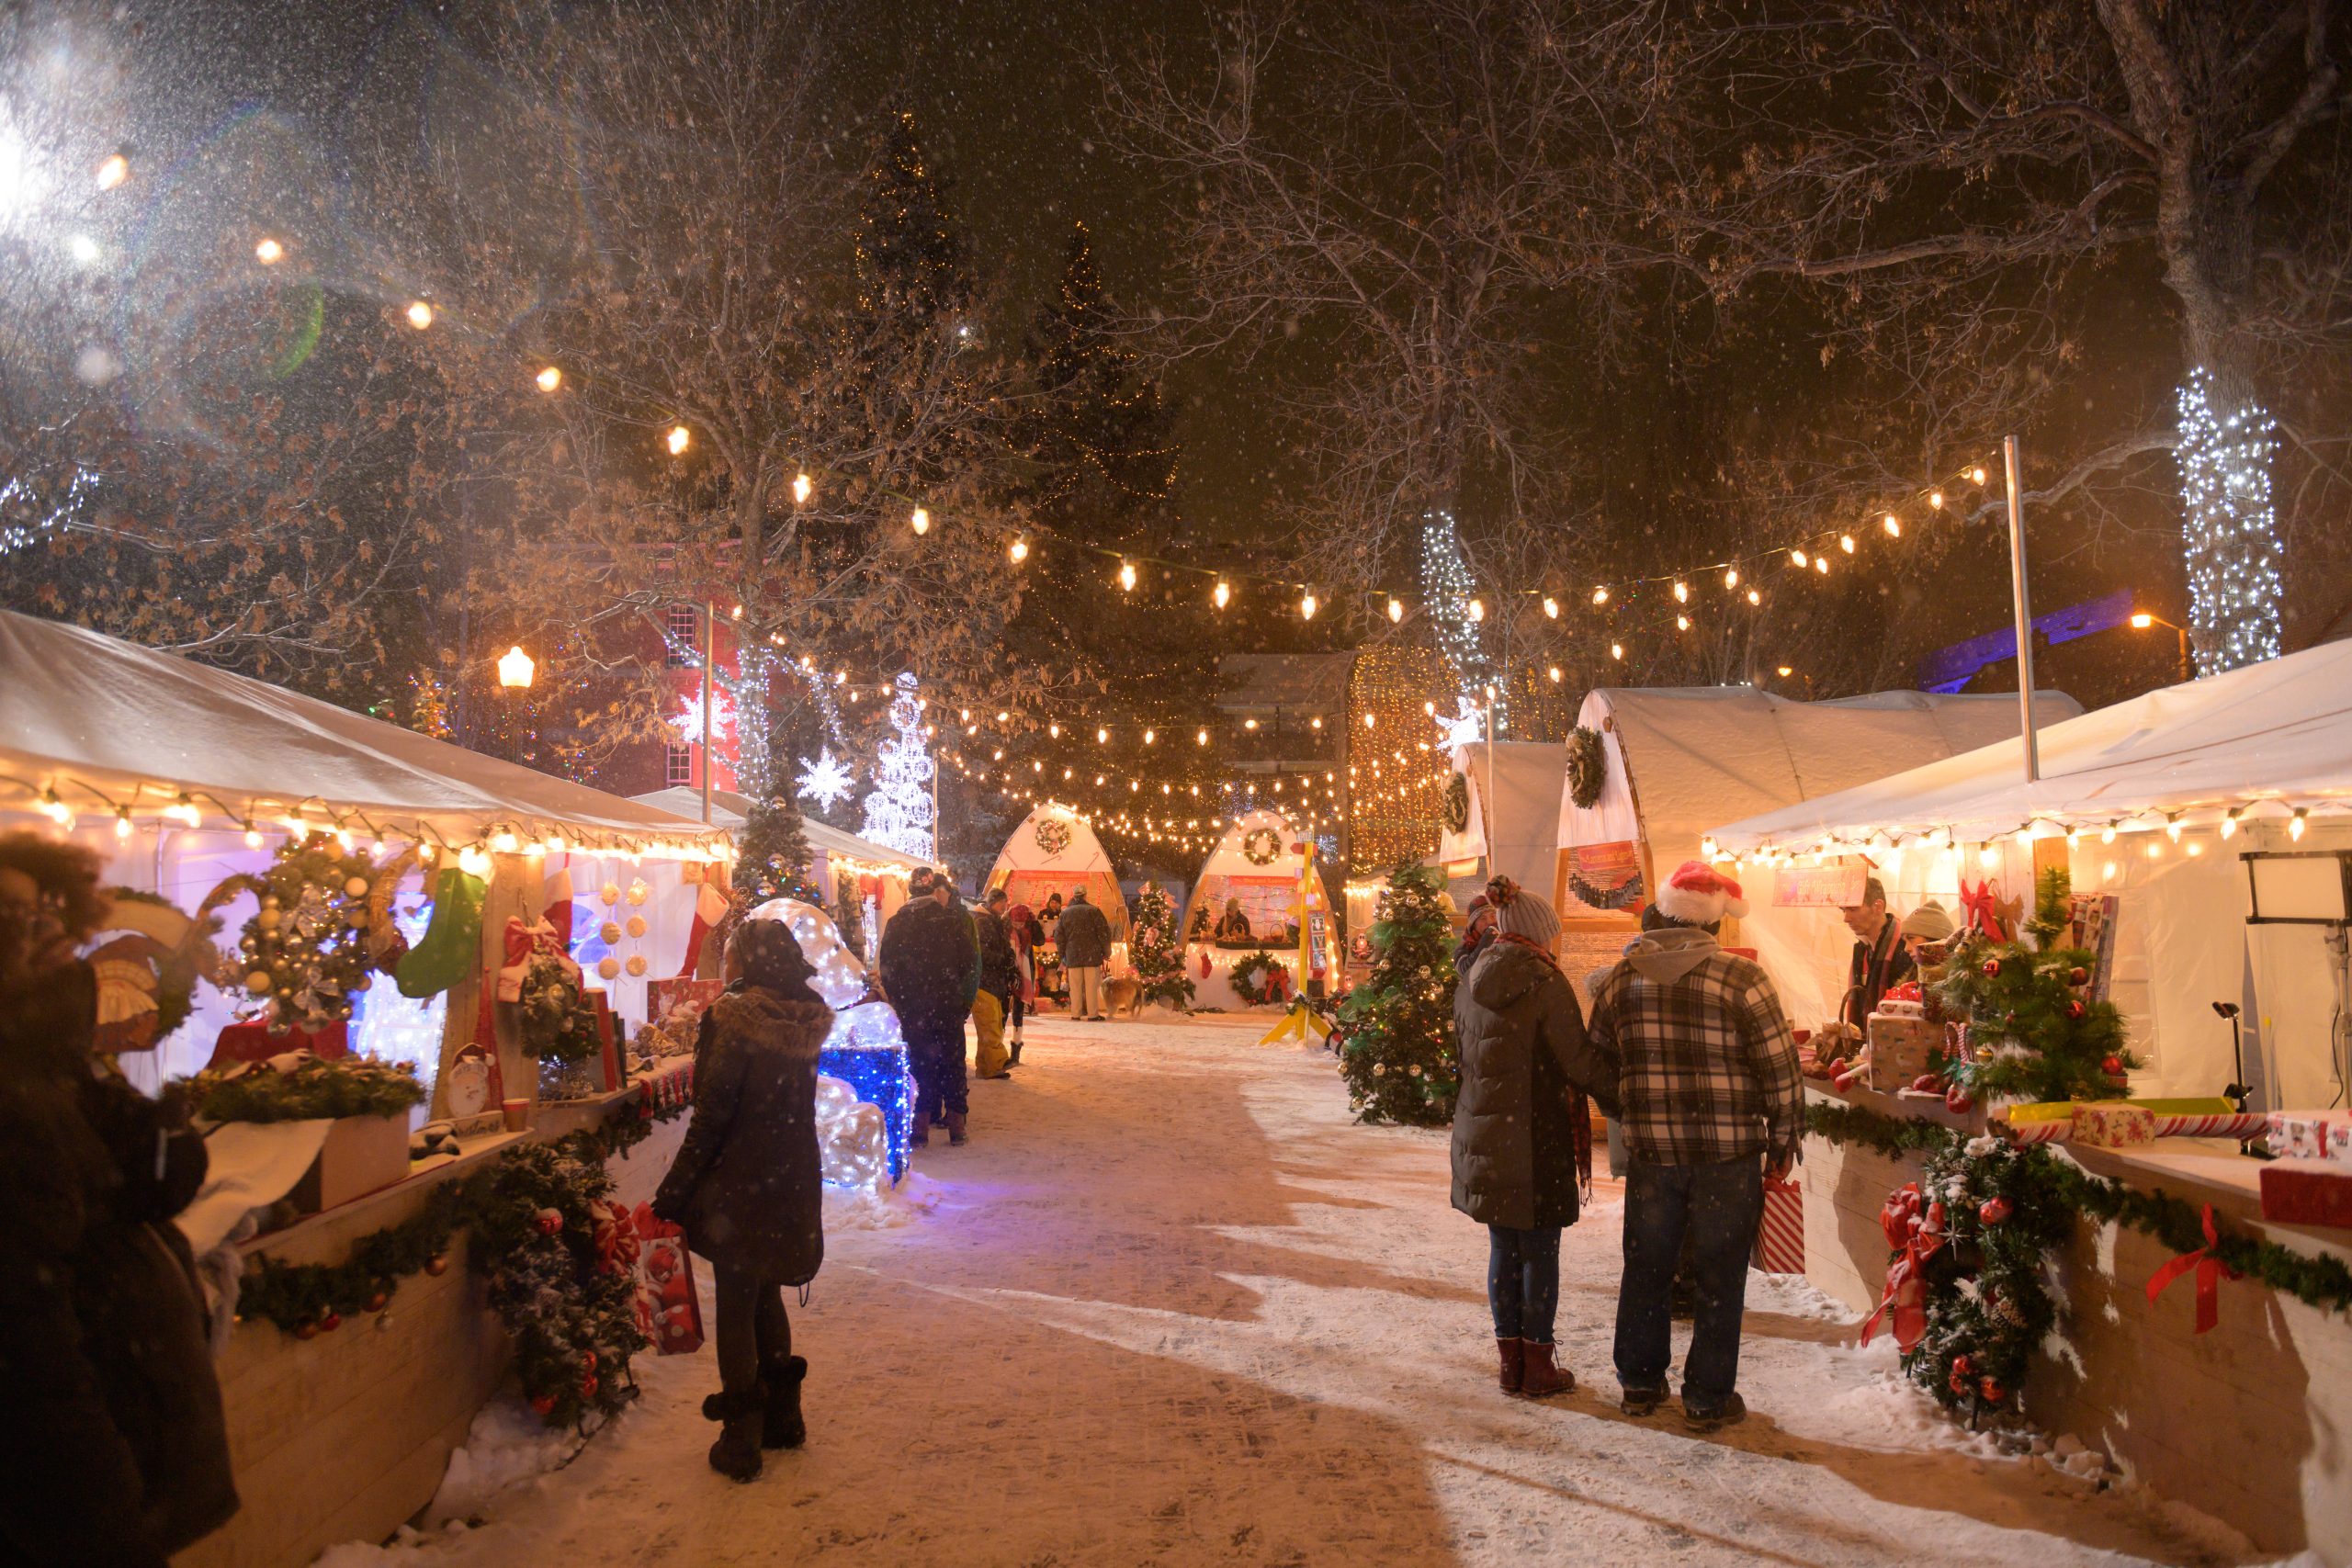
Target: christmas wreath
{"points": [[1261, 845], [1052, 834], [299, 1087], [1457, 803], [305, 950], [1588, 766], [554, 1019], [1260, 977]]}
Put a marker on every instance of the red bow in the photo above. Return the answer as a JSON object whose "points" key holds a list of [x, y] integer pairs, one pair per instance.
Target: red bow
{"points": [[1984, 913], [616, 1243], [524, 943], [2210, 1271], [1917, 1235]]}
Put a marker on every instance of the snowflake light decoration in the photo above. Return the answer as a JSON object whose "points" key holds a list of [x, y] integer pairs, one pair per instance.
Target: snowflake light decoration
{"points": [[828, 781], [688, 721], [1468, 727]]}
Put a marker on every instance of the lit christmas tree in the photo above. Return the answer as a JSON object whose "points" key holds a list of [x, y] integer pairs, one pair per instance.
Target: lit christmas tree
{"points": [[772, 854], [2229, 528], [1395, 1027], [1157, 950], [1454, 611], [2039, 1033], [898, 810]]}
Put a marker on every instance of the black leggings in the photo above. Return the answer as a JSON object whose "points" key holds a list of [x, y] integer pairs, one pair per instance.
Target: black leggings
{"points": [[753, 1328]]}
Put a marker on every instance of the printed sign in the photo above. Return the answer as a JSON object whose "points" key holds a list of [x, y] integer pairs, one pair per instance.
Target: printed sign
{"points": [[2091, 927], [1605, 879], [1835, 885]]}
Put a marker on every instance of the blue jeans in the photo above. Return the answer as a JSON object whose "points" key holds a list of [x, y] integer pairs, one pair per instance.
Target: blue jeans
{"points": [[1719, 1207], [1523, 1280]]}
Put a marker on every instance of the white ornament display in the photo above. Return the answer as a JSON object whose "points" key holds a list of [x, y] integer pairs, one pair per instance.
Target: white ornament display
{"points": [[828, 781], [898, 808]]}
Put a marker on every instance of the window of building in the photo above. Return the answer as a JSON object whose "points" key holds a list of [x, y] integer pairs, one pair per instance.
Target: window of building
{"points": [[685, 632], [678, 764]]}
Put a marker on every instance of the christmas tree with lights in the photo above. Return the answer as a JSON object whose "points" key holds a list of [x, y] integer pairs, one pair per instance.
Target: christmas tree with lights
{"points": [[1157, 950], [772, 854], [2037, 1031], [1395, 1034], [898, 807]]}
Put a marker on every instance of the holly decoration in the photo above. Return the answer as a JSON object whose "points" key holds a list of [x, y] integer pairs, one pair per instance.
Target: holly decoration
{"points": [[2038, 1040], [1394, 1030], [303, 954], [1154, 950], [1986, 1306], [1260, 978]]}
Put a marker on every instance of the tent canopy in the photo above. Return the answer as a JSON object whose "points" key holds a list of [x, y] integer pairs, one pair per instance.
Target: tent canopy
{"points": [[106, 723], [1518, 832], [1680, 760], [730, 810], [1053, 851], [2270, 738]]}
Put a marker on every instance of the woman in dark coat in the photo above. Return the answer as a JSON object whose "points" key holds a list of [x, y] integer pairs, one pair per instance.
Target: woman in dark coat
{"points": [[746, 1185], [113, 1450], [1522, 1139]]}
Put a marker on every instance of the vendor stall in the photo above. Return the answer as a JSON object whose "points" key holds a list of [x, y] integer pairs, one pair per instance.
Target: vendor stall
{"points": [[1051, 855], [298, 886], [1503, 815], [1241, 923], [1648, 771], [2182, 858]]}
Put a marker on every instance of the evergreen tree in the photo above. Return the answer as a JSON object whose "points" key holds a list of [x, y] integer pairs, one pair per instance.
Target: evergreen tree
{"points": [[772, 854], [1157, 950], [2037, 1033], [1396, 1027], [913, 264]]}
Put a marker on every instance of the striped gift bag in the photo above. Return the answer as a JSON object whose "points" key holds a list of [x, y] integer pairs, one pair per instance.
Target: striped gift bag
{"points": [[1779, 1240]]}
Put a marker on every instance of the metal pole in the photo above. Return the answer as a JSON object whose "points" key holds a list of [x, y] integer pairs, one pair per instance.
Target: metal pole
{"points": [[710, 637], [2024, 610], [1487, 828]]}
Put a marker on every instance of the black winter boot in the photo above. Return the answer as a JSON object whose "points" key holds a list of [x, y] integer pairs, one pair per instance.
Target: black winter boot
{"points": [[735, 1455], [784, 1428]]}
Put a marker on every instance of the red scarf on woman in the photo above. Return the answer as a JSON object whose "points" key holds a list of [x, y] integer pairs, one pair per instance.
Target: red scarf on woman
{"points": [[1579, 1113]]}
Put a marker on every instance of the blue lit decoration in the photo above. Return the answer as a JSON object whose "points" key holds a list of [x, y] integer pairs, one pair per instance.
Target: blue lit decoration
{"points": [[866, 1050], [2229, 528]]}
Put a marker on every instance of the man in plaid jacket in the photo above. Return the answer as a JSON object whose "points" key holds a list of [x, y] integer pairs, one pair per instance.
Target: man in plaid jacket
{"points": [[1710, 1101]]}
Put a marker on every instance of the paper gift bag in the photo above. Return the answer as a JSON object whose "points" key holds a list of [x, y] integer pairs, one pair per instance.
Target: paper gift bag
{"points": [[1779, 1240], [668, 1312]]}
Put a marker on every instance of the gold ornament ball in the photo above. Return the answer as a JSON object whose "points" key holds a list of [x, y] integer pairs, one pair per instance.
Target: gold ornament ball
{"points": [[357, 887], [258, 982], [269, 919], [611, 931], [636, 927]]}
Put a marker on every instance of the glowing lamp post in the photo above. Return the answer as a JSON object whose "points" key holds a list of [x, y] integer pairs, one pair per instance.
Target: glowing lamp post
{"points": [[2141, 620], [515, 669]]}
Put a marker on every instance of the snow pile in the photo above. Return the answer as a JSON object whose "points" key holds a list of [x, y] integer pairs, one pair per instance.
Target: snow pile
{"points": [[881, 1207], [507, 1443]]}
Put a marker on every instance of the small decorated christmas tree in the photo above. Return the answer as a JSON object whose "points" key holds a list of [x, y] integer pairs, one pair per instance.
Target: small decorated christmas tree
{"points": [[1157, 955], [772, 854], [2038, 1033], [1395, 1027]]}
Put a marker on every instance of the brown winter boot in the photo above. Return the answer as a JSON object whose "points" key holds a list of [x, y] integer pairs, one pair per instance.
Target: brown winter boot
{"points": [[956, 1137], [782, 1427], [920, 1137], [1514, 1353], [1541, 1377], [735, 1455]]}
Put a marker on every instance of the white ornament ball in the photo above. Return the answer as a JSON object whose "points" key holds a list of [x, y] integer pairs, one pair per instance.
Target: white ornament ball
{"points": [[258, 982], [608, 967], [610, 894], [636, 926], [610, 930], [637, 966]]}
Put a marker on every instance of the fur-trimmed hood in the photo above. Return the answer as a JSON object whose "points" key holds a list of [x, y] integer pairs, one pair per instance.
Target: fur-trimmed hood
{"points": [[759, 1018]]}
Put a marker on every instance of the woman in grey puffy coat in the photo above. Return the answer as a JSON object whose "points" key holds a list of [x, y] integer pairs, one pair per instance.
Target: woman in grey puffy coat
{"points": [[1522, 1139]]}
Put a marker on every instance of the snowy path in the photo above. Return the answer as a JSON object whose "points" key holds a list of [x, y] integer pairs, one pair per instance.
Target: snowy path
{"points": [[1173, 1306]]}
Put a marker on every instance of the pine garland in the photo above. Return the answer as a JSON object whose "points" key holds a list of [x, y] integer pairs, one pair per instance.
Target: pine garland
{"points": [[314, 1088]]}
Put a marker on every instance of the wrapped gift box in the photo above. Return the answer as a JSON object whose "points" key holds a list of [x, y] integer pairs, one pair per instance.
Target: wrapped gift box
{"points": [[362, 1154], [2311, 1135], [1900, 1045], [1779, 1240], [2308, 1192], [2113, 1125]]}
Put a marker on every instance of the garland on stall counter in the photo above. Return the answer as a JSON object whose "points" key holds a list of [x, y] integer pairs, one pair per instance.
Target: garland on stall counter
{"points": [[2322, 1284], [539, 1216], [309, 1088]]}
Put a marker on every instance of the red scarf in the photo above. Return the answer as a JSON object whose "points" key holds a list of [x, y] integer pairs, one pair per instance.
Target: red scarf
{"points": [[1579, 1113]]}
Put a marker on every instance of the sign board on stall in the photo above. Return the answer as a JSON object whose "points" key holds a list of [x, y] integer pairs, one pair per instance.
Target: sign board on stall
{"points": [[1605, 879], [1835, 885], [2091, 927]]}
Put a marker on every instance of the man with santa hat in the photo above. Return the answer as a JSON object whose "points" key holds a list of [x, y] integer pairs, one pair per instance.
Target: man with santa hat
{"points": [[1710, 1100]]}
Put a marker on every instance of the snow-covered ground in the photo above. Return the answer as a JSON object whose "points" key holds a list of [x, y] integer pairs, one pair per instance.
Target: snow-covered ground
{"points": [[1170, 1305]]}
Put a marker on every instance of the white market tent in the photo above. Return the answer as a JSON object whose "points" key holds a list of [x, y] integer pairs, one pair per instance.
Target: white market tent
{"points": [[1257, 863], [841, 849], [1519, 836], [1053, 851], [2265, 742]]}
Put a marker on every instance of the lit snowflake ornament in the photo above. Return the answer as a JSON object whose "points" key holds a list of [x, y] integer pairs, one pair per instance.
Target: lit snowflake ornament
{"points": [[828, 781]]}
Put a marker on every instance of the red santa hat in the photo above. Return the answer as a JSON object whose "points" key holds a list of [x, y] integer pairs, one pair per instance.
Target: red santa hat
{"points": [[1698, 895]]}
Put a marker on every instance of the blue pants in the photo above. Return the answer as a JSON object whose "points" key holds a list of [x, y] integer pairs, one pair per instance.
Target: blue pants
{"points": [[1717, 1207], [1523, 1280]]}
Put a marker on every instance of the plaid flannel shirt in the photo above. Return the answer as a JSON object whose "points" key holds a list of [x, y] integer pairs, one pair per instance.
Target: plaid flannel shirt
{"points": [[1708, 1062]]}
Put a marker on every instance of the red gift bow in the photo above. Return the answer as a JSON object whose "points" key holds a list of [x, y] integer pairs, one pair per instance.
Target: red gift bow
{"points": [[524, 940], [1984, 913], [1915, 1237], [2210, 1271]]}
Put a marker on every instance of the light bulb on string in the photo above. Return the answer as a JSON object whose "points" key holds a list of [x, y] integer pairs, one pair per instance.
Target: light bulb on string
{"points": [[1976, 474], [1477, 610], [1126, 577], [1731, 578], [1395, 610], [1682, 623], [1019, 549], [1600, 595], [1682, 594], [1222, 594], [1307, 606], [801, 485], [1799, 558], [679, 439], [1754, 597], [420, 314], [919, 520], [1551, 609], [1846, 543], [1821, 564], [1894, 524]]}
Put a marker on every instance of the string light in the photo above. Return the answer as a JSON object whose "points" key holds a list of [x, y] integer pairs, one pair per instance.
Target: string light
{"points": [[548, 379], [1221, 596], [1600, 595], [1798, 556], [2229, 528], [1395, 610], [1127, 576], [1754, 597], [1307, 606], [113, 172], [1731, 578], [802, 485], [1977, 475], [919, 520], [1894, 524], [1681, 592], [1018, 549], [268, 251], [1846, 543], [1477, 609], [1551, 607], [420, 314], [680, 439]]}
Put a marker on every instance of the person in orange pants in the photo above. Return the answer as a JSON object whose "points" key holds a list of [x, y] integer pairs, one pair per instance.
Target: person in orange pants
{"points": [[998, 975]]}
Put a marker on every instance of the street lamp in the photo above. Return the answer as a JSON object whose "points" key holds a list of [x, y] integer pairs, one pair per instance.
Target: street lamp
{"points": [[515, 669], [2141, 620]]}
